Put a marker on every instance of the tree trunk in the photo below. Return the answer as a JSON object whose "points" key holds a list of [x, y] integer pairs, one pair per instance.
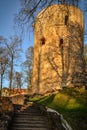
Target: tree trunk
{"points": [[11, 73], [1, 85]]}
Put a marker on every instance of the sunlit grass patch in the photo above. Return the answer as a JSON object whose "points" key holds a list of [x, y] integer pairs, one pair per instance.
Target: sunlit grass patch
{"points": [[34, 99], [72, 104]]}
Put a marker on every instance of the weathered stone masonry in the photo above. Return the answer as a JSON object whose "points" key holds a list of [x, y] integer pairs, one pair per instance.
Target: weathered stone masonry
{"points": [[58, 48]]}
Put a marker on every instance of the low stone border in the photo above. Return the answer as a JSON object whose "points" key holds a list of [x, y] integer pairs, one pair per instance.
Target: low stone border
{"points": [[64, 122], [6, 112], [5, 120]]}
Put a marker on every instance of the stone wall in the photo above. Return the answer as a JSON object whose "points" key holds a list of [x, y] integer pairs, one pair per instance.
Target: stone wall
{"points": [[58, 48]]}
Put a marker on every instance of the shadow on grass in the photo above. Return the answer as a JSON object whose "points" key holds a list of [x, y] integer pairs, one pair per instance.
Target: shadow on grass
{"points": [[47, 100], [43, 100]]}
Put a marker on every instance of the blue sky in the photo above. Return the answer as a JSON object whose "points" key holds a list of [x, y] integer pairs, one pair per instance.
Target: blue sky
{"points": [[8, 8]]}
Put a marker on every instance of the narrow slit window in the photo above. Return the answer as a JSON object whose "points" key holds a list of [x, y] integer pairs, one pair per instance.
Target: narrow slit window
{"points": [[61, 42], [66, 19], [43, 41]]}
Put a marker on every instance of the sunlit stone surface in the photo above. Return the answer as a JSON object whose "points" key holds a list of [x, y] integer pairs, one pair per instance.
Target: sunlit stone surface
{"points": [[58, 49]]}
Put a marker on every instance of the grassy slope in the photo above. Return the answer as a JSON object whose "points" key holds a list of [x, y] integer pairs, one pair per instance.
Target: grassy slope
{"points": [[72, 103]]}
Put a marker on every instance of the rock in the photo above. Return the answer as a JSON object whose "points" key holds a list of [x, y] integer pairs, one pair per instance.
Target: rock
{"points": [[6, 105]]}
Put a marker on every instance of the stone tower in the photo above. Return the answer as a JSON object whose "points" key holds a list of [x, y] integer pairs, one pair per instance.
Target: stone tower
{"points": [[58, 48]]}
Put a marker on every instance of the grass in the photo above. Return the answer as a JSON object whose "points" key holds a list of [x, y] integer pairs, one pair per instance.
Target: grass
{"points": [[71, 103]]}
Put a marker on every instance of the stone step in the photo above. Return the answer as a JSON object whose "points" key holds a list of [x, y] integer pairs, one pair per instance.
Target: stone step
{"points": [[30, 125], [15, 128], [29, 110], [30, 118], [29, 121], [27, 114], [17, 106]]}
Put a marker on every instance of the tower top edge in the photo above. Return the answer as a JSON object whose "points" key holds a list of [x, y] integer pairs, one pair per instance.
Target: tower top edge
{"points": [[59, 6]]}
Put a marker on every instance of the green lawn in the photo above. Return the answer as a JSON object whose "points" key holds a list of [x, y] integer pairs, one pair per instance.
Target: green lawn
{"points": [[71, 103]]}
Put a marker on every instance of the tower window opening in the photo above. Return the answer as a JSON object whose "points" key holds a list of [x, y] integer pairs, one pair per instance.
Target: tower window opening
{"points": [[66, 19], [42, 41], [61, 42]]}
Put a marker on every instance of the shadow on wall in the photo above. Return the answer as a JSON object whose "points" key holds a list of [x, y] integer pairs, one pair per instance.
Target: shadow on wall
{"points": [[72, 61]]}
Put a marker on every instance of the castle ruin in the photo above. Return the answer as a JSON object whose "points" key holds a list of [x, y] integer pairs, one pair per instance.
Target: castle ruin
{"points": [[58, 48]]}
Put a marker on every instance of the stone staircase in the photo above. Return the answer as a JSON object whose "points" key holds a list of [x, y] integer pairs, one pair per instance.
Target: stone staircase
{"points": [[29, 117]]}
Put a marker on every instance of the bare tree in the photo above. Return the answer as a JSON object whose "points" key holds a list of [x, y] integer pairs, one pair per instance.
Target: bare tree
{"points": [[3, 65], [28, 65], [18, 77], [30, 9], [13, 47]]}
